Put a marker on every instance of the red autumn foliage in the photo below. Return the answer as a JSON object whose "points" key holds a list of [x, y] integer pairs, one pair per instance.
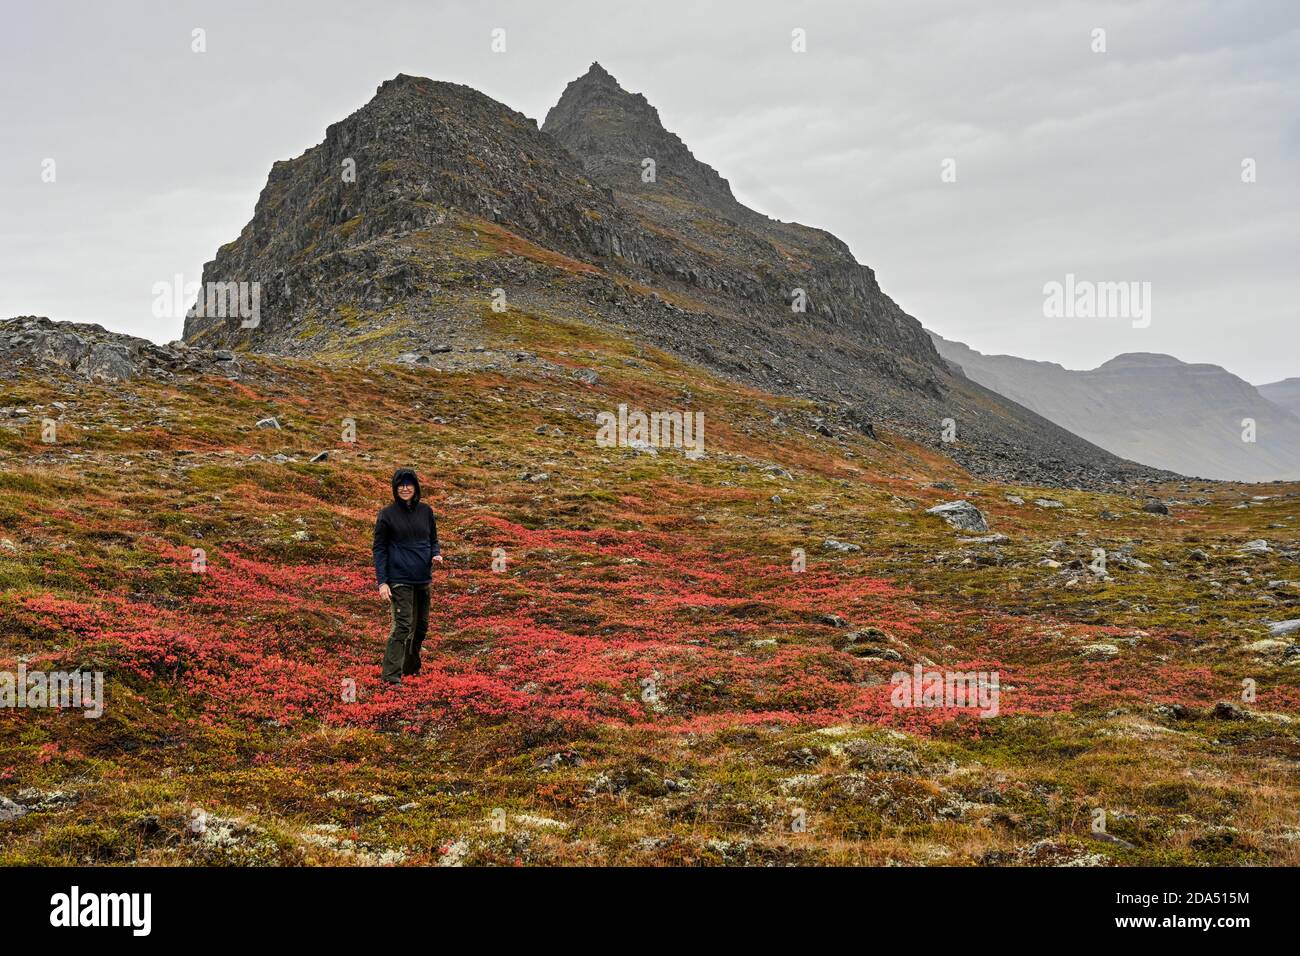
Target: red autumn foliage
{"points": [[572, 633]]}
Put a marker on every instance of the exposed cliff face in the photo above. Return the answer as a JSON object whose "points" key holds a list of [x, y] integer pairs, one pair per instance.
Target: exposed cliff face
{"points": [[432, 203], [743, 253], [420, 155], [1151, 408]]}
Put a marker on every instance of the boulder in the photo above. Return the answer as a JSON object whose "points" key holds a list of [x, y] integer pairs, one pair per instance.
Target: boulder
{"points": [[962, 515], [830, 544], [10, 810], [108, 362], [1268, 647], [1225, 710]]}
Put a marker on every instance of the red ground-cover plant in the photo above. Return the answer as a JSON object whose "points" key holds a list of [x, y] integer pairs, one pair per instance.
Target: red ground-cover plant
{"points": [[586, 626]]}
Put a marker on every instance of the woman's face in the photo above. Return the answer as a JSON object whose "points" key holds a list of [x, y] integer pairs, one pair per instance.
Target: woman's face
{"points": [[406, 491]]}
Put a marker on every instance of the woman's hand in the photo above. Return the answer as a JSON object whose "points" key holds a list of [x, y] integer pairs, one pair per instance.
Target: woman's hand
{"points": [[385, 592]]}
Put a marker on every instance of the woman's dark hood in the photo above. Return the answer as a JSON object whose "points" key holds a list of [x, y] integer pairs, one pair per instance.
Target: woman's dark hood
{"points": [[401, 476]]}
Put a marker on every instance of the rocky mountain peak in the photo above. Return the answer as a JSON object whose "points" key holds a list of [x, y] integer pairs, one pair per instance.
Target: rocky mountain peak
{"points": [[614, 132], [420, 155], [596, 75], [391, 236]]}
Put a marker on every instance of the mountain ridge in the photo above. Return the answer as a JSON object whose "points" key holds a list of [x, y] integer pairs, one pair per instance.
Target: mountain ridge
{"points": [[460, 204], [1149, 406], [1285, 393]]}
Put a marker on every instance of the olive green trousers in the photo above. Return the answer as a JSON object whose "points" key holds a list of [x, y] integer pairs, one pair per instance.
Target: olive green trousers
{"points": [[410, 604]]}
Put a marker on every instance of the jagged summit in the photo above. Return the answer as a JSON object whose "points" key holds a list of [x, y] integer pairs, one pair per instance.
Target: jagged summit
{"points": [[596, 75], [614, 132], [392, 236], [421, 154]]}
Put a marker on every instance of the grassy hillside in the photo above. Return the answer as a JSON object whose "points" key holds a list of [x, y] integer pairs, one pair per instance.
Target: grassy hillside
{"points": [[648, 680]]}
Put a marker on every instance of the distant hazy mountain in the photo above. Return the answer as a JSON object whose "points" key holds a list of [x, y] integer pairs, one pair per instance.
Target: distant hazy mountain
{"points": [[1154, 409], [1285, 393]]}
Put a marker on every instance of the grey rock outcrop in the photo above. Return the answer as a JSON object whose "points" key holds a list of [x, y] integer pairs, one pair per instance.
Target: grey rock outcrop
{"points": [[96, 354]]}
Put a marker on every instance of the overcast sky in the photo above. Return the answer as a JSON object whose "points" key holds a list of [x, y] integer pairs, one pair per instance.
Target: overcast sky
{"points": [[1123, 165]]}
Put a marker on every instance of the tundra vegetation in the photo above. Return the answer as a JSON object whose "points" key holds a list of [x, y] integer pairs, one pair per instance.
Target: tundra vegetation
{"points": [[624, 665]]}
